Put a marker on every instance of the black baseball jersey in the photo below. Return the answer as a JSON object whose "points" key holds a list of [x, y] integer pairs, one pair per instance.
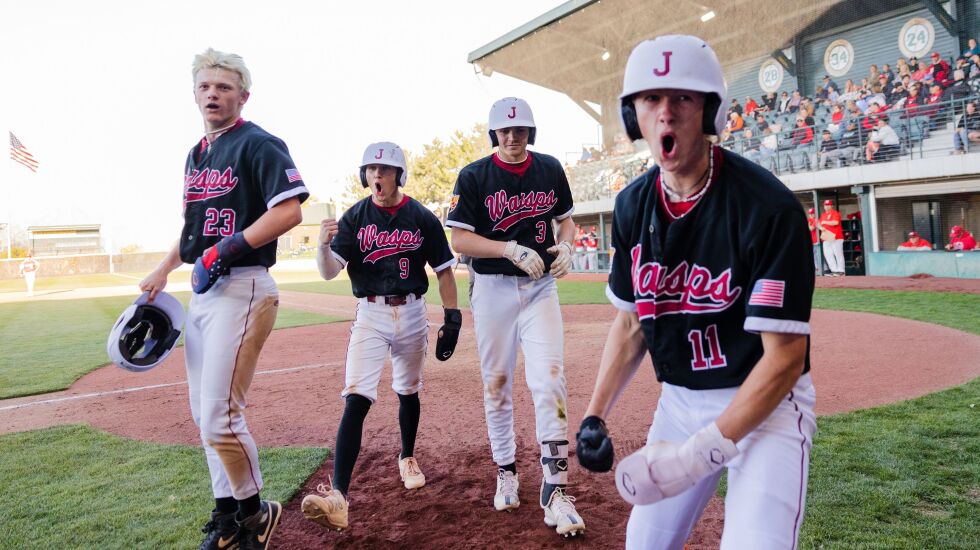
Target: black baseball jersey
{"points": [[706, 284], [500, 205], [246, 172], [385, 253]]}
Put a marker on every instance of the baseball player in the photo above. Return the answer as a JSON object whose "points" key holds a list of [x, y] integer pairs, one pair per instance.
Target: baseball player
{"points": [[712, 276], [241, 192], [914, 244], [832, 235], [28, 270], [384, 241], [501, 215], [592, 249]]}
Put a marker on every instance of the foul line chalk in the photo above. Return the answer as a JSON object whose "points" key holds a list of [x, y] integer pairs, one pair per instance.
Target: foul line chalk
{"points": [[152, 387]]}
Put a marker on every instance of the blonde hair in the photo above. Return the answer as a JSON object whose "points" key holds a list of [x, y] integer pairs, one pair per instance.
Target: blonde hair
{"points": [[213, 59]]}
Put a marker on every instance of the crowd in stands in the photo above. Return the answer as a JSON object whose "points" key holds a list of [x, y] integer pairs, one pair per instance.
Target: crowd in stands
{"points": [[867, 121]]}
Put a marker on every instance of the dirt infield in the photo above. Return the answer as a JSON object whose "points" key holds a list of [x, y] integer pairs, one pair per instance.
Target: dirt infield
{"points": [[295, 401]]}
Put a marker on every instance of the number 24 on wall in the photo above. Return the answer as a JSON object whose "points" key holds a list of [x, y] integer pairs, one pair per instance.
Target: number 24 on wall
{"points": [[715, 358]]}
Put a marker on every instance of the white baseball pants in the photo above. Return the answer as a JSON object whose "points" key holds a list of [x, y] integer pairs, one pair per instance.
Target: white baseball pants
{"points": [[225, 331], [509, 311], [379, 329], [766, 481], [833, 251]]}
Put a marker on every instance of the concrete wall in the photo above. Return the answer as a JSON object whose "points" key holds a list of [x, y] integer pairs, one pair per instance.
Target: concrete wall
{"points": [[85, 265], [964, 265]]}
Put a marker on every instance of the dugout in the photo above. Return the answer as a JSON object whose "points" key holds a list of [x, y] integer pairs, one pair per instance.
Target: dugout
{"points": [[579, 49]]}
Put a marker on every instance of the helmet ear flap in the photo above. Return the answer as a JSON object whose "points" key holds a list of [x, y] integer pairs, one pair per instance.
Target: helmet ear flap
{"points": [[530, 135], [493, 139], [400, 177], [711, 105], [364, 182], [630, 124]]}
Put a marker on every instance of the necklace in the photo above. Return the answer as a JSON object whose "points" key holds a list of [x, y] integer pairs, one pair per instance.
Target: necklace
{"points": [[677, 197], [207, 134]]}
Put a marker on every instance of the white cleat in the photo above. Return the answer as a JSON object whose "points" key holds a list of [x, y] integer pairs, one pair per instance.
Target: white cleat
{"points": [[329, 508], [411, 474], [506, 497], [560, 513]]}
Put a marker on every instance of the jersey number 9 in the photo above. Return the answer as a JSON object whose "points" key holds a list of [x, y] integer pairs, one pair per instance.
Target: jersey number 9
{"points": [[403, 265]]}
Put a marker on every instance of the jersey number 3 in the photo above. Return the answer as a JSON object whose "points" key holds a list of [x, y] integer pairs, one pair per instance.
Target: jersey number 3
{"points": [[716, 359], [219, 223]]}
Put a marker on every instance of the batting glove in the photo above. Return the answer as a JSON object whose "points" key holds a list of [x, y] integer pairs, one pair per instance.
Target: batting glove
{"points": [[448, 334], [563, 259], [593, 446], [526, 259], [217, 260], [667, 469]]}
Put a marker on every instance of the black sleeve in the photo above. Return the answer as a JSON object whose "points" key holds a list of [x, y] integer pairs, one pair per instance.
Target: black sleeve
{"points": [[464, 202], [782, 278], [619, 290], [342, 244], [437, 251], [276, 174]]}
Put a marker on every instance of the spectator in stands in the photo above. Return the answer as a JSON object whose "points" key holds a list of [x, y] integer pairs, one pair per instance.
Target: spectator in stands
{"points": [[852, 111], [939, 69], [622, 145], [769, 102], [884, 144], [961, 239], [735, 107], [802, 140], [794, 102], [750, 105], [820, 94], [902, 68], [959, 89], [828, 82], [967, 130], [807, 108], [873, 73], [735, 122], [972, 48], [851, 142], [829, 151], [914, 101], [760, 123], [886, 84], [886, 70], [974, 66], [836, 125], [914, 244], [919, 70], [896, 98], [767, 149], [938, 117], [833, 96], [784, 103], [750, 145], [586, 156]]}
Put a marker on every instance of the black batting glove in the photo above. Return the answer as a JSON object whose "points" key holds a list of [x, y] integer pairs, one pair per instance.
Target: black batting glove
{"points": [[216, 261], [448, 334], [594, 447]]}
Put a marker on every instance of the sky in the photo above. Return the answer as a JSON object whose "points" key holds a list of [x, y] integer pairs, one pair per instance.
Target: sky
{"points": [[100, 92]]}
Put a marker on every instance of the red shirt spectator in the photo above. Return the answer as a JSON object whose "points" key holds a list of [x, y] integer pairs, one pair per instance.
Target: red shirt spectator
{"points": [[960, 239], [802, 134], [939, 69], [915, 243], [750, 105]]}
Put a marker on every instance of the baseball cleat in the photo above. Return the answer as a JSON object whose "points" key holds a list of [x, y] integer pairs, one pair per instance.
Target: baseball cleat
{"points": [[255, 532], [413, 477], [329, 508], [560, 513], [220, 532], [506, 497]]}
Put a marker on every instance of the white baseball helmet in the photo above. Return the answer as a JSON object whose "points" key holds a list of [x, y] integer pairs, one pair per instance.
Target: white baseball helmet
{"points": [[508, 113], [145, 333], [387, 153], [679, 62]]}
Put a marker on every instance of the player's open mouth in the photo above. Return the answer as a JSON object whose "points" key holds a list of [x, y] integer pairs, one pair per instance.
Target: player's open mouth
{"points": [[377, 187], [212, 107], [667, 143]]}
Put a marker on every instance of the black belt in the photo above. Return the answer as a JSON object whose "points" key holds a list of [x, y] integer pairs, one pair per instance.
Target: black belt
{"points": [[394, 300]]}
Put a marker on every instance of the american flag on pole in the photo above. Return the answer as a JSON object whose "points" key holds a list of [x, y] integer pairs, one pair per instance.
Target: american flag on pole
{"points": [[20, 154], [767, 292]]}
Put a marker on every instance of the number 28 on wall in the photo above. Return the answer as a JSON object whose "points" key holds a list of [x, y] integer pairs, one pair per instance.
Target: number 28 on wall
{"points": [[715, 358]]}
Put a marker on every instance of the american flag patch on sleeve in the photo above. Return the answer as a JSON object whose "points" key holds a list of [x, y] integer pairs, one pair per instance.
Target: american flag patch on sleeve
{"points": [[292, 175], [767, 292]]}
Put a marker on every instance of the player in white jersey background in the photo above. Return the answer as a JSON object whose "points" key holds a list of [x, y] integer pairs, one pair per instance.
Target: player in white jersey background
{"points": [[384, 241], [501, 215], [712, 276]]}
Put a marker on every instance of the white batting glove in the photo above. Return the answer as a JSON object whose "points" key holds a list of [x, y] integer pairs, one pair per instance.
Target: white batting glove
{"points": [[526, 259], [563, 259], [667, 469]]}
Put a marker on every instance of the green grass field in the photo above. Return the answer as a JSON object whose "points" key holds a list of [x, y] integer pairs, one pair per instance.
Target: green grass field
{"points": [[898, 476], [70, 282], [50, 344], [76, 487]]}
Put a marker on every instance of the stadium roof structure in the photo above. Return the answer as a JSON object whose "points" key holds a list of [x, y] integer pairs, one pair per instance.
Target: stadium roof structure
{"points": [[580, 47]]}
